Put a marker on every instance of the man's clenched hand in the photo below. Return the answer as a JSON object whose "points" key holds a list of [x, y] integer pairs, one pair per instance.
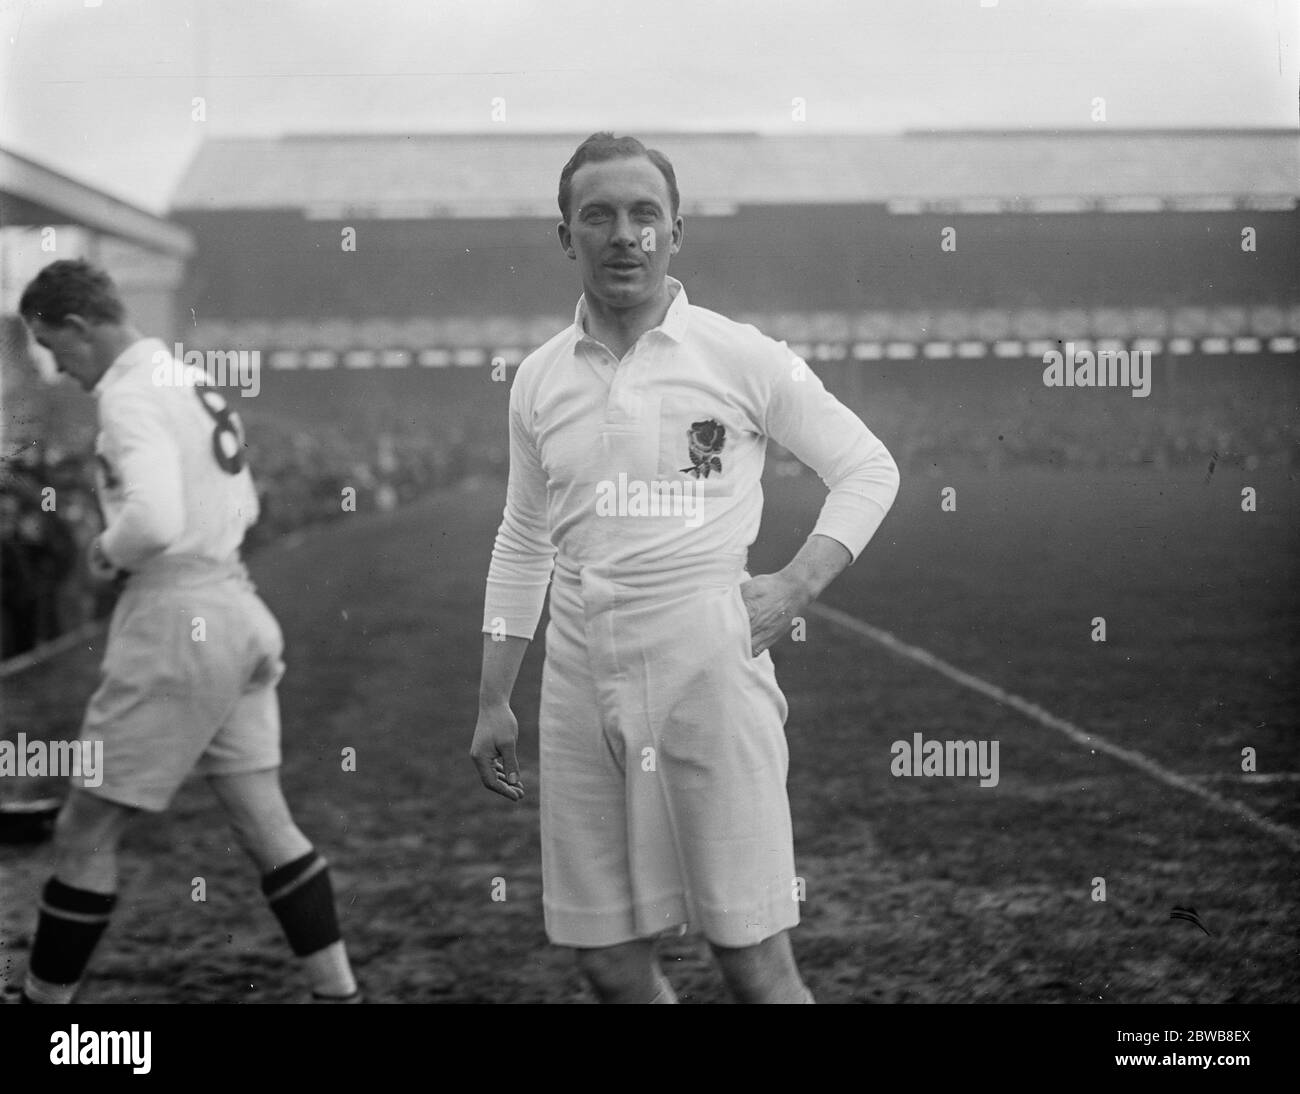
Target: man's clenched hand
{"points": [[493, 750]]}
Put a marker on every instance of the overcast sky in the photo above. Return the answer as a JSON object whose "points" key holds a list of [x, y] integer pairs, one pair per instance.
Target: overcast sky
{"points": [[104, 91]]}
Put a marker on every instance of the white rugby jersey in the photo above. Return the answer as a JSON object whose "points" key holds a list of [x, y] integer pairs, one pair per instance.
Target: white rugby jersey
{"points": [[172, 475], [652, 464]]}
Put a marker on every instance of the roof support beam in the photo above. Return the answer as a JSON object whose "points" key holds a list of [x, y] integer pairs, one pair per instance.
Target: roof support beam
{"points": [[32, 195]]}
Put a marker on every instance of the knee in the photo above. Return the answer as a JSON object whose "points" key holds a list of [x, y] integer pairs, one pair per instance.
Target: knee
{"points": [[617, 973], [82, 833], [601, 966], [259, 818], [765, 973], [71, 835], [749, 979], [749, 985], [269, 841]]}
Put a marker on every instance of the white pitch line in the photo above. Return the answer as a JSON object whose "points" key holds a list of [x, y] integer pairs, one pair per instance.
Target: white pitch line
{"points": [[1289, 836], [55, 646], [1255, 777]]}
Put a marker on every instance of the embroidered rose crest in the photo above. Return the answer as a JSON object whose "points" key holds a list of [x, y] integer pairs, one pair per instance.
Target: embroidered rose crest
{"points": [[706, 440]]}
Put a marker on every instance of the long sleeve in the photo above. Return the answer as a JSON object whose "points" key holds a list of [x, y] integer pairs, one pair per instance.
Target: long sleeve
{"points": [[856, 467], [523, 555], [146, 461]]}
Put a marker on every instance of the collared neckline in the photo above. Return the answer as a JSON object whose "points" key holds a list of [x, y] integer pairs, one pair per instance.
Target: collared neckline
{"points": [[673, 323], [138, 352]]}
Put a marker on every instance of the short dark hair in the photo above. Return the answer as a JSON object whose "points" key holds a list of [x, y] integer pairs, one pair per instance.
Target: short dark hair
{"points": [[600, 147], [72, 287]]}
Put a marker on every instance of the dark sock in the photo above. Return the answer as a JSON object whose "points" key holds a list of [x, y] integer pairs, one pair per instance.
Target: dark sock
{"points": [[302, 898], [70, 925]]}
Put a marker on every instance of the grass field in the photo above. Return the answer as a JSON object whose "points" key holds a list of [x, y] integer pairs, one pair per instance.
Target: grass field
{"points": [[917, 889]]}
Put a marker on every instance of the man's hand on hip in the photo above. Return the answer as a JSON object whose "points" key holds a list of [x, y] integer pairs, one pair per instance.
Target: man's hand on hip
{"points": [[493, 750], [772, 600]]}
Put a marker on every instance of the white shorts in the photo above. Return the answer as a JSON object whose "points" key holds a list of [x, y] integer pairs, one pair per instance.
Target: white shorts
{"points": [[663, 764], [177, 695]]}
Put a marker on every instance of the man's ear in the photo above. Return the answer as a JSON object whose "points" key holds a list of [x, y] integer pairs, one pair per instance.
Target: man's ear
{"points": [[566, 239], [679, 233], [78, 324]]}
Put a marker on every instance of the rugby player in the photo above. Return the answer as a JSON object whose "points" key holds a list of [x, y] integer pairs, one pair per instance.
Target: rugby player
{"points": [[662, 745], [174, 697]]}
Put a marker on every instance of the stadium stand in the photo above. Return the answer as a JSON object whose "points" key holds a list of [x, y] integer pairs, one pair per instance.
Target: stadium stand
{"points": [[385, 366]]}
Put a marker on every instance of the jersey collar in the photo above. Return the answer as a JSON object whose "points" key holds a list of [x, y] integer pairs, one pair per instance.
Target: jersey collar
{"points": [[140, 352], [673, 324]]}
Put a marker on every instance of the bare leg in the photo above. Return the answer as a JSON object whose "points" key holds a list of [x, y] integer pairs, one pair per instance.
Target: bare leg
{"points": [[626, 973], [260, 817], [86, 838], [764, 973], [77, 902]]}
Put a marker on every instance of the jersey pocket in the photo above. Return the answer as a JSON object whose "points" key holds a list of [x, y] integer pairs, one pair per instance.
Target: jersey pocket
{"points": [[693, 446]]}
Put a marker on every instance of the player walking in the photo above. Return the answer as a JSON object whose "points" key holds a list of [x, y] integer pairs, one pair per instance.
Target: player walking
{"points": [[663, 753], [193, 657]]}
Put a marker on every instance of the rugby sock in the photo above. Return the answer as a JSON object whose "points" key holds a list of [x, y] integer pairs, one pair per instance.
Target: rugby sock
{"points": [[69, 927], [302, 898]]}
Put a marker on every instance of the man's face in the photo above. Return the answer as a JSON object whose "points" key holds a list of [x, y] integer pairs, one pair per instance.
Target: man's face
{"points": [[72, 346], [621, 230]]}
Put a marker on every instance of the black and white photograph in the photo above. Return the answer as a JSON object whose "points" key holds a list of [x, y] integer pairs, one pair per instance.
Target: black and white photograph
{"points": [[558, 502]]}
